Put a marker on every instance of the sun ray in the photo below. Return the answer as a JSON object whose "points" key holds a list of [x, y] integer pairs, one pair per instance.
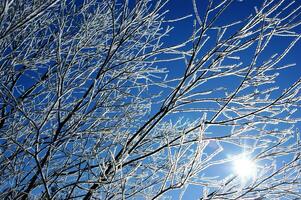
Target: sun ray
{"points": [[244, 168]]}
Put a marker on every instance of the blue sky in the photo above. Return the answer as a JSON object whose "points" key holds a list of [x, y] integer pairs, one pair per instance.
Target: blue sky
{"points": [[182, 31]]}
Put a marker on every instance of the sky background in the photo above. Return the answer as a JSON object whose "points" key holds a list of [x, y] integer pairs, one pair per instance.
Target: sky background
{"points": [[182, 31], [239, 10]]}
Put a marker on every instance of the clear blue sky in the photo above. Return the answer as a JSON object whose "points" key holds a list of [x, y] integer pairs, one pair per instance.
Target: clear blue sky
{"points": [[183, 29]]}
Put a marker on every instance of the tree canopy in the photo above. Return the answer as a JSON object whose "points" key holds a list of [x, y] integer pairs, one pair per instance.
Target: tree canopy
{"points": [[98, 102]]}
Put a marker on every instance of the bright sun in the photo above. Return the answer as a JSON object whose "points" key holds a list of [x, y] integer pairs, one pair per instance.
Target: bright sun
{"points": [[245, 168]]}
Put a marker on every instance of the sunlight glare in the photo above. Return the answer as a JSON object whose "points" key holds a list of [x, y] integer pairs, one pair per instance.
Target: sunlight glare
{"points": [[245, 168]]}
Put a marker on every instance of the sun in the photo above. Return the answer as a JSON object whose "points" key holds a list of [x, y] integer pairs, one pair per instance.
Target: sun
{"points": [[245, 168]]}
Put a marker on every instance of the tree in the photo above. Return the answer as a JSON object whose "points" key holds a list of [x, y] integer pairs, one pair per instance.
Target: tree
{"points": [[88, 110]]}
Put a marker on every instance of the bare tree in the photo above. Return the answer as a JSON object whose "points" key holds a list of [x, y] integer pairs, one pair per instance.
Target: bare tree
{"points": [[87, 110]]}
